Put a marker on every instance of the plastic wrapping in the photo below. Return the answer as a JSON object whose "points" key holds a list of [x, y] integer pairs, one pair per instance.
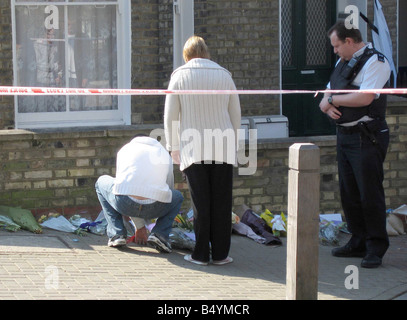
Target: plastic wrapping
{"points": [[328, 233], [180, 240], [260, 227], [23, 217], [59, 223], [101, 225], [277, 223], [278, 227], [394, 225], [78, 221], [245, 230], [97, 227], [8, 224]]}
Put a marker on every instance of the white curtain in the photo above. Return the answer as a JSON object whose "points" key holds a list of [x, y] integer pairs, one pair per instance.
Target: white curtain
{"points": [[66, 46]]}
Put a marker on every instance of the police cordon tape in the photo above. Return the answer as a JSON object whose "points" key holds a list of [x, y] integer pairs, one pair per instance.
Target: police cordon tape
{"points": [[12, 90]]}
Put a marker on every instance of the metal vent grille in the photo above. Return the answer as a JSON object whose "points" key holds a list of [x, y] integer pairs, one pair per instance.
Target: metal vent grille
{"points": [[316, 39], [287, 32]]}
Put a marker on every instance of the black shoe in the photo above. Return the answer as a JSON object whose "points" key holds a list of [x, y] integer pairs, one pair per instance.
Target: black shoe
{"points": [[371, 261], [347, 252]]}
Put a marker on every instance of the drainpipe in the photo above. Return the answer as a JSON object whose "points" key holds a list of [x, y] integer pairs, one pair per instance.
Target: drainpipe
{"points": [[183, 28]]}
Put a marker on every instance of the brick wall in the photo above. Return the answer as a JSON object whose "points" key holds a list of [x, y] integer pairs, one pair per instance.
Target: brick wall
{"points": [[241, 37], [396, 164], [57, 171], [151, 59]]}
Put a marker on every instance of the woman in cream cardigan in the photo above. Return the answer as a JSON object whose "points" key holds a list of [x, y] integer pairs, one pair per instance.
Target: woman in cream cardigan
{"points": [[201, 133]]}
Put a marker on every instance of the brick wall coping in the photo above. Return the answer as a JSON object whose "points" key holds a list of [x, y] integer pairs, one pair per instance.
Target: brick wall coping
{"points": [[129, 131]]}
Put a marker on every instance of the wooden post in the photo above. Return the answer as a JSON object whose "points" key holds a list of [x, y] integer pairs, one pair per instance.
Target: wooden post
{"points": [[303, 222]]}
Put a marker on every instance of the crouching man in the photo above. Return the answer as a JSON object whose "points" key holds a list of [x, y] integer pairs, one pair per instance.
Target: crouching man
{"points": [[142, 189]]}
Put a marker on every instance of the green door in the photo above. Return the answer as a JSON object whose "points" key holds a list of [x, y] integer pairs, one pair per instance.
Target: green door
{"points": [[307, 62]]}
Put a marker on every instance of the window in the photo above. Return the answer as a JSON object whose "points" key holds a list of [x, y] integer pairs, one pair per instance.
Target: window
{"points": [[71, 44]]}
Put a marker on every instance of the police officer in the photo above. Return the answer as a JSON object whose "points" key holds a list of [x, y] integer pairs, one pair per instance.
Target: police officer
{"points": [[362, 142]]}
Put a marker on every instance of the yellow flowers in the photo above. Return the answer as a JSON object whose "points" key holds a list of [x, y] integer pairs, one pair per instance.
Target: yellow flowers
{"points": [[46, 217], [184, 223]]}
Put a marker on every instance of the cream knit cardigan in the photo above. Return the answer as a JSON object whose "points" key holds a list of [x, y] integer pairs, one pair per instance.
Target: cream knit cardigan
{"points": [[203, 127]]}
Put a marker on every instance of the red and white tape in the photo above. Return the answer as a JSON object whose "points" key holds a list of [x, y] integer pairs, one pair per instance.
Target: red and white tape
{"points": [[398, 91], [4, 90], [80, 91]]}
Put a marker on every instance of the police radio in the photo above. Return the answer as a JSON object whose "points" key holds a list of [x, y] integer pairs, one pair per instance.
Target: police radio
{"points": [[349, 70]]}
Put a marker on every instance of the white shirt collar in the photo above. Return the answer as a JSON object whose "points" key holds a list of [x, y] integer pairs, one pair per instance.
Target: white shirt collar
{"points": [[361, 51]]}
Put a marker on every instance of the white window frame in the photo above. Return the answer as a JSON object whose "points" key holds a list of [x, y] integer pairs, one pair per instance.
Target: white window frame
{"points": [[121, 116]]}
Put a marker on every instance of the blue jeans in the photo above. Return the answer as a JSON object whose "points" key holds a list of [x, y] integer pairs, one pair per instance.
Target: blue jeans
{"points": [[116, 206]]}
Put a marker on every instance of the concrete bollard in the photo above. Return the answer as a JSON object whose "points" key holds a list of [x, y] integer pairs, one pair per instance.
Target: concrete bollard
{"points": [[303, 222]]}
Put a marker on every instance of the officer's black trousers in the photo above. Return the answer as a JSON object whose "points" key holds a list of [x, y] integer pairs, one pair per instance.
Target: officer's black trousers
{"points": [[360, 167]]}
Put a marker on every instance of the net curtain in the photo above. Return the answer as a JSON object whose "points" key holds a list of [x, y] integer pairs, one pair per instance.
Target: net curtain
{"points": [[73, 49]]}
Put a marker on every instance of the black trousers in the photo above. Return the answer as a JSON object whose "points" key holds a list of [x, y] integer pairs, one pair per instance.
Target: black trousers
{"points": [[360, 167], [210, 186]]}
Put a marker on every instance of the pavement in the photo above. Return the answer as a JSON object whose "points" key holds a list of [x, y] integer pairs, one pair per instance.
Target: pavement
{"points": [[56, 265]]}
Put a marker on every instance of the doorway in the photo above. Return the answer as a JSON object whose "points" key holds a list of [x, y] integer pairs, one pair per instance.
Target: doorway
{"points": [[307, 62], [402, 46]]}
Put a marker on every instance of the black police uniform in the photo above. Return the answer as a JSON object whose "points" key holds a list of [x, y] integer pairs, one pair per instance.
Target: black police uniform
{"points": [[361, 151]]}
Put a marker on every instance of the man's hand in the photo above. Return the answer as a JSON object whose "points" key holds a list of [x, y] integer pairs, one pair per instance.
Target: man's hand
{"points": [[324, 105], [329, 109], [141, 236], [334, 113]]}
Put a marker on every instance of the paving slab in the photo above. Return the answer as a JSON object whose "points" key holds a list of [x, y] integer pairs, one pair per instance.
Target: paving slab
{"points": [[62, 266]]}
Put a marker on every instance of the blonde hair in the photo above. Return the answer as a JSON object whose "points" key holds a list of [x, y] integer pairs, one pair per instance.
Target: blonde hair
{"points": [[195, 47]]}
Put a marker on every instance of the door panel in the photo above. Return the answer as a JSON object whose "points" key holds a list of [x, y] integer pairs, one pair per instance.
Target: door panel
{"points": [[308, 61]]}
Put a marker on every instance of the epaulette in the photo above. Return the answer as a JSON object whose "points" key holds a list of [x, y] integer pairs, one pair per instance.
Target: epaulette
{"points": [[381, 57], [371, 51]]}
